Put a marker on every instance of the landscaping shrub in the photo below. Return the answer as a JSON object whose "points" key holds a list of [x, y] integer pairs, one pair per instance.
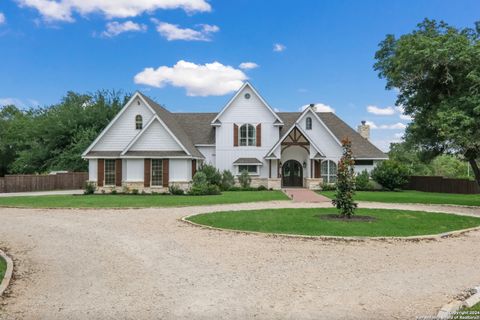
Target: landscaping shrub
{"points": [[212, 174], [345, 182], [262, 188], [228, 180], [390, 174], [89, 188], [134, 191], [329, 187], [362, 181], [176, 190], [113, 191], [200, 186], [244, 179]]}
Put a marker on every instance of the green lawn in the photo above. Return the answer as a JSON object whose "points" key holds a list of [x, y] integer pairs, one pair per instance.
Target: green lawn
{"points": [[308, 222], [3, 268], [409, 196], [474, 308], [138, 201]]}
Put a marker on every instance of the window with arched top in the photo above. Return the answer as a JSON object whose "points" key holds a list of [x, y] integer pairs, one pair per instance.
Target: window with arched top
{"points": [[329, 171], [138, 122], [248, 135], [308, 123]]}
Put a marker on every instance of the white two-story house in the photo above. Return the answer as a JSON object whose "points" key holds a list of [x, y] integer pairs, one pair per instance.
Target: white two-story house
{"points": [[146, 147]]}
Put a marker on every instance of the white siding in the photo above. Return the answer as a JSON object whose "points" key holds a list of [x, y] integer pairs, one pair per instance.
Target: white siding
{"points": [[359, 169], [134, 168], [123, 130], [322, 138], [208, 153], [241, 111], [92, 169], [180, 170], [156, 137]]}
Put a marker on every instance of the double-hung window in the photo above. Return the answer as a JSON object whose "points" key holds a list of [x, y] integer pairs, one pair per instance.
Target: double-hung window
{"points": [[109, 172], [157, 172], [329, 171], [251, 169]]}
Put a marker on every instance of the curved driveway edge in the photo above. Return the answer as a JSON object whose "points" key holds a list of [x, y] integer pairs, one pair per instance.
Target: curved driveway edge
{"points": [[8, 273], [428, 237]]}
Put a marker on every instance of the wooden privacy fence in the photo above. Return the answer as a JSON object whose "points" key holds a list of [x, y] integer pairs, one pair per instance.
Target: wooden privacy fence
{"points": [[32, 182], [441, 184]]}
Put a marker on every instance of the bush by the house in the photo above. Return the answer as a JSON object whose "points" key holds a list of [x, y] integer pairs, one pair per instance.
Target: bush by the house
{"points": [[329, 187], [212, 174], [113, 191], [176, 190], [390, 174], [200, 185], [228, 180], [89, 188], [244, 179], [362, 181], [134, 191]]}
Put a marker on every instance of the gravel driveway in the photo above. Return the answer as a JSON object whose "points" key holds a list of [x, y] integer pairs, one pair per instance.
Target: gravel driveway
{"points": [[145, 264]]}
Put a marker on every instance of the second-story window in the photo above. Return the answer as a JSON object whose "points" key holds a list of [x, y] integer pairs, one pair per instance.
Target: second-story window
{"points": [[138, 122], [308, 123], [247, 135]]}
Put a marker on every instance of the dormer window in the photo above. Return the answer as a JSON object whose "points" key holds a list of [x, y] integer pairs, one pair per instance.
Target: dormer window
{"points": [[308, 123], [138, 122], [248, 135]]}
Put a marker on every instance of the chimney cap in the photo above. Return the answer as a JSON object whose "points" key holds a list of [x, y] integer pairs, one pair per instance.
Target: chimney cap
{"points": [[312, 105], [364, 122]]}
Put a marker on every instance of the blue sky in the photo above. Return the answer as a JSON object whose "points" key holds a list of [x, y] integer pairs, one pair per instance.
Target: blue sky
{"points": [[187, 54]]}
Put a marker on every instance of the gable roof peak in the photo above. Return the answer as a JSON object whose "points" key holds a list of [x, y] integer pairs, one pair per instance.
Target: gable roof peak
{"points": [[245, 84]]}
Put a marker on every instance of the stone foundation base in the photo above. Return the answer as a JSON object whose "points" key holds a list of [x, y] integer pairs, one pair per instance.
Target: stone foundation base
{"points": [[313, 183], [138, 187]]}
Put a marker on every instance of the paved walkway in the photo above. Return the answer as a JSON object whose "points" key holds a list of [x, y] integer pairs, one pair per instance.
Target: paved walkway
{"points": [[146, 264], [305, 195], [41, 193]]}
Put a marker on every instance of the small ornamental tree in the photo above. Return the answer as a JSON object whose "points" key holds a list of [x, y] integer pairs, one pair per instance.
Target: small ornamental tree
{"points": [[345, 182]]}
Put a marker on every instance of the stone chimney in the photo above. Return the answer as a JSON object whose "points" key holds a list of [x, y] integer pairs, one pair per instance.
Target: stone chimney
{"points": [[364, 130]]}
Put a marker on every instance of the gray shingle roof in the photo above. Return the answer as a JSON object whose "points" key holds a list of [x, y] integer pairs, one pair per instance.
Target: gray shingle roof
{"points": [[103, 154], [170, 121], [195, 128], [247, 161], [361, 147]]}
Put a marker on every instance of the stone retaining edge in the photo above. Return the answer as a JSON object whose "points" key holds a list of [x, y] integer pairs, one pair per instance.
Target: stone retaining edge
{"points": [[453, 306], [8, 273]]}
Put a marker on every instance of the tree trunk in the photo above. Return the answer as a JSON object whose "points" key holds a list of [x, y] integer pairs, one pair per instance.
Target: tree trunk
{"points": [[476, 170]]}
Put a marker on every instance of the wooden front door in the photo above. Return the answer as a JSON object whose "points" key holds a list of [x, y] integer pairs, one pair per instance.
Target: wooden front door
{"points": [[292, 174]]}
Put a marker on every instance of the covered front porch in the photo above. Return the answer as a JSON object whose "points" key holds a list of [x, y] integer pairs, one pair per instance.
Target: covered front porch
{"points": [[298, 162]]}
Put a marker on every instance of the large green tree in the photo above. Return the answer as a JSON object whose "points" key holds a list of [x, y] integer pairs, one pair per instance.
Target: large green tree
{"points": [[53, 138], [436, 70]]}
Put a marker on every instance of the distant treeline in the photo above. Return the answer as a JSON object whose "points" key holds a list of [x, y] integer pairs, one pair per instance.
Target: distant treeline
{"points": [[39, 140]]}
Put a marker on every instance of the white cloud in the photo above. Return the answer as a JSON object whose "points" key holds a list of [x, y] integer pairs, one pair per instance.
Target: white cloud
{"points": [[394, 126], [398, 135], [174, 32], [210, 79], [248, 65], [63, 10], [380, 111], [278, 47], [115, 28], [2, 18], [319, 107]]}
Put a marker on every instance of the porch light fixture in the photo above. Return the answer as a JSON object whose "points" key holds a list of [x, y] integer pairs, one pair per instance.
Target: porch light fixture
{"points": [[304, 165]]}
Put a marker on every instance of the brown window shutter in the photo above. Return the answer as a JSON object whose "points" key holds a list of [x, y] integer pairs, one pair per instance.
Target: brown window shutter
{"points": [[317, 169], [118, 172], [165, 172], [235, 135], [259, 135], [146, 172], [100, 172], [194, 167]]}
